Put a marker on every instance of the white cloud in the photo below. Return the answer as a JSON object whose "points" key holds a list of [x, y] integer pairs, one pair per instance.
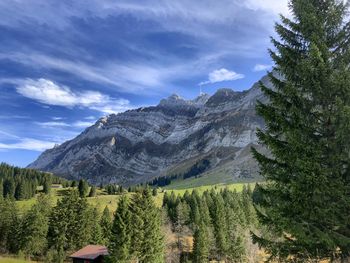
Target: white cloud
{"points": [[48, 92], [28, 144], [83, 124], [90, 118], [273, 6], [261, 67], [57, 118], [56, 124], [53, 124], [220, 75]]}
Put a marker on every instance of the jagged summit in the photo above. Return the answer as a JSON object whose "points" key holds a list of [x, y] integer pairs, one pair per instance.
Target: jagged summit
{"points": [[172, 100], [140, 144]]}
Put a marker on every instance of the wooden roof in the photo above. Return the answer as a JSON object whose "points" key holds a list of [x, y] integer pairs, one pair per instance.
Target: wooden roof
{"points": [[90, 252]]}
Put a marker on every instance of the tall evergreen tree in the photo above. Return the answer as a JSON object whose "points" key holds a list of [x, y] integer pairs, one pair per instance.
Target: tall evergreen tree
{"points": [[201, 244], [96, 236], [120, 238], [147, 236], [92, 192], [35, 227], [69, 221], [106, 225], [306, 200], [9, 187], [83, 188], [9, 226], [220, 226], [1, 189], [47, 186]]}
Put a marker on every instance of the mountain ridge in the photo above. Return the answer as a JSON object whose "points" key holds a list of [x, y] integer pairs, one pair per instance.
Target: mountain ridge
{"points": [[140, 144]]}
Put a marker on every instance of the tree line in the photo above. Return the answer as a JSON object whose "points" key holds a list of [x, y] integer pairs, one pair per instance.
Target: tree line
{"points": [[21, 183]]}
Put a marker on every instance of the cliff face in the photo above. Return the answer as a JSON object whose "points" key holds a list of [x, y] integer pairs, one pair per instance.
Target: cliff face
{"points": [[138, 145]]}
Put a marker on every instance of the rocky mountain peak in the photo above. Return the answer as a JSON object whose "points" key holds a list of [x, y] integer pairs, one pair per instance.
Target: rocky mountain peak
{"points": [[138, 145], [201, 99], [224, 95], [173, 100]]}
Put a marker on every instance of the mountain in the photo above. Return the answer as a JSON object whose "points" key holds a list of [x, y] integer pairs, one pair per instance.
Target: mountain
{"points": [[141, 144]]}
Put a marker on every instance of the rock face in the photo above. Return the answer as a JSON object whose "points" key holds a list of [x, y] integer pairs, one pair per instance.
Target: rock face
{"points": [[138, 145]]}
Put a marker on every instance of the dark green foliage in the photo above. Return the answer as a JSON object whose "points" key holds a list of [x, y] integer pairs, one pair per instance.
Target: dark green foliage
{"points": [[147, 237], [47, 186], [306, 201], [1, 189], [9, 226], [201, 244], [96, 237], [136, 230], [83, 188], [69, 227], [92, 192], [20, 183], [106, 225], [120, 237], [113, 189], [220, 226], [9, 187], [217, 220], [197, 169], [35, 228]]}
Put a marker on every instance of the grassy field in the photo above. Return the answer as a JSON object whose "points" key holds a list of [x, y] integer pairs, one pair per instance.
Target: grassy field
{"points": [[102, 199]]}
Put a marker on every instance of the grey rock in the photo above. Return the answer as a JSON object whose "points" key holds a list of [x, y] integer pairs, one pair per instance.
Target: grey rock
{"points": [[140, 144]]}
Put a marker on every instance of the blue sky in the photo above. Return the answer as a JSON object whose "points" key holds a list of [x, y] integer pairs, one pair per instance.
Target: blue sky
{"points": [[64, 64]]}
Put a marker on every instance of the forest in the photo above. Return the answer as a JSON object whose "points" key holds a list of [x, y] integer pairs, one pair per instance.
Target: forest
{"points": [[218, 222], [21, 184]]}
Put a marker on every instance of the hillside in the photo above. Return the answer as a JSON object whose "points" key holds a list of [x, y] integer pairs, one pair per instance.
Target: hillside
{"points": [[139, 145]]}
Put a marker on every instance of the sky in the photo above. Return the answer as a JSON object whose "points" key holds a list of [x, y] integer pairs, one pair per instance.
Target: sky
{"points": [[64, 64]]}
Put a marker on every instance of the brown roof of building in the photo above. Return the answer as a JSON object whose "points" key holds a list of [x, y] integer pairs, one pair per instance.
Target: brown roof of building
{"points": [[90, 252]]}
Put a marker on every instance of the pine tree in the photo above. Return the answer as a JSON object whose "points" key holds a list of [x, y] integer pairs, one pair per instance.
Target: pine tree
{"points": [[147, 238], [9, 226], [220, 226], [46, 186], [9, 187], [106, 225], [67, 219], [35, 227], [83, 188], [20, 191], [1, 189], [200, 245], [306, 200], [119, 246], [96, 236], [92, 192]]}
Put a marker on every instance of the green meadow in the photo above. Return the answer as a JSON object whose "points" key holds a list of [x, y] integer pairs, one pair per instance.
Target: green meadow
{"points": [[102, 199]]}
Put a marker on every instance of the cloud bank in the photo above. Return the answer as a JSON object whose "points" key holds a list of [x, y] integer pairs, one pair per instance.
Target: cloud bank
{"points": [[48, 92]]}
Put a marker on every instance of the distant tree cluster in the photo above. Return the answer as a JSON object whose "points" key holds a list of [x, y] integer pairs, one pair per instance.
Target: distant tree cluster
{"points": [[21, 183], [219, 222], [113, 189], [197, 169]]}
